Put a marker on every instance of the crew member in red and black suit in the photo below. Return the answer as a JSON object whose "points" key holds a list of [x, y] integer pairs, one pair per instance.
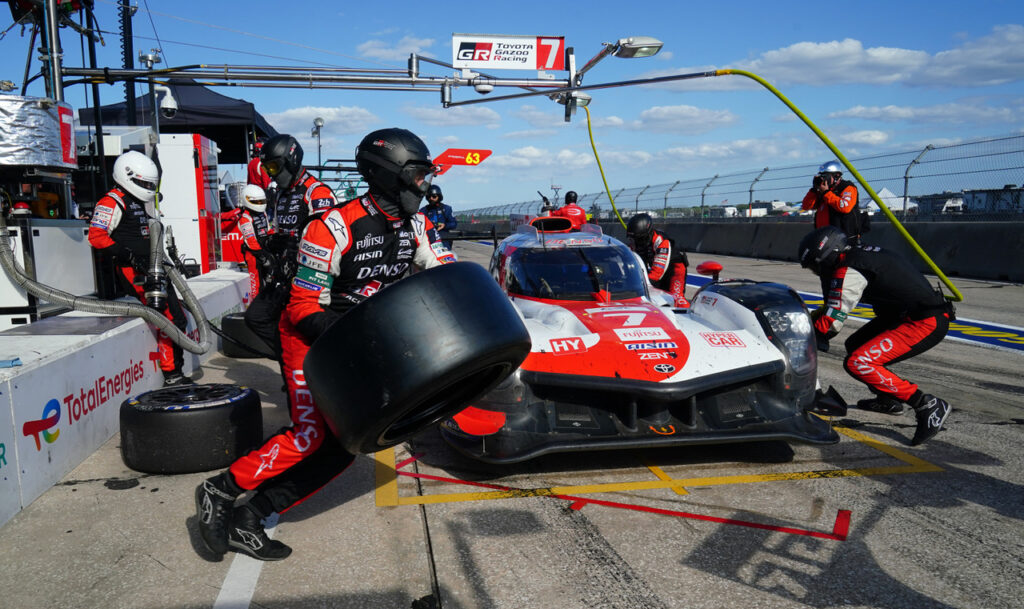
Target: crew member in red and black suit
{"points": [[911, 317], [301, 197], [834, 201], [346, 255], [666, 263], [254, 226], [576, 214], [120, 229]]}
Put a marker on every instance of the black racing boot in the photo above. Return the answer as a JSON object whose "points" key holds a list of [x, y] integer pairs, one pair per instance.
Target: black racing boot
{"points": [[882, 403], [248, 537], [175, 377], [215, 498], [931, 414]]}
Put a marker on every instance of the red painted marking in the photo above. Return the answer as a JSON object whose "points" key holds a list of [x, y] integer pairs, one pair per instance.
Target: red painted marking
{"points": [[411, 459], [839, 530]]}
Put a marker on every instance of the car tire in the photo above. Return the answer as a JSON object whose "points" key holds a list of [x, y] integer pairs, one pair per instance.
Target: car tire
{"points": [[189, 428], [246, 344], [413, 354]]}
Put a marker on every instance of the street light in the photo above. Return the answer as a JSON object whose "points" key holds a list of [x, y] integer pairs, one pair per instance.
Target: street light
{"points": [[318, 123], [634, 46]]}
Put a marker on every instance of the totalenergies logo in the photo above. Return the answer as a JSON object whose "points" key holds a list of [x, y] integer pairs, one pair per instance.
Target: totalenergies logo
{"points": [[42, 427]]}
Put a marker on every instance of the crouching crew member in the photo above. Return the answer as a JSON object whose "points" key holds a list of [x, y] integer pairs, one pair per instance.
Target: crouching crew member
{"points": [[666, 263]]}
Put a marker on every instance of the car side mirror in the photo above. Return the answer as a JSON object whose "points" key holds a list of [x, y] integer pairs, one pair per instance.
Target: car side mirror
{"points": [[710, 268]]}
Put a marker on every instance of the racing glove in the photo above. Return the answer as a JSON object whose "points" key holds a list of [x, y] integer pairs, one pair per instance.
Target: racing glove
{"points": [[312, 326]]}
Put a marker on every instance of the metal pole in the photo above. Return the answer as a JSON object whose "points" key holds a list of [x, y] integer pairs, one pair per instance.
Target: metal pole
{"points": [[750, 201], [906, 178], [636, 208], [128, 61], [100, 151], [664, 211], [702, 196], [53, 42], [28, 60]]}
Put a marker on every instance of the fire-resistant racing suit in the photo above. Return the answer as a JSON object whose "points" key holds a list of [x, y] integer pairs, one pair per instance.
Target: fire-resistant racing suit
{"points": [[576, 214], [837, 207], [295, 207], [910, 316], [666, 266], [120, 228], [346, 255], [255, 230]]}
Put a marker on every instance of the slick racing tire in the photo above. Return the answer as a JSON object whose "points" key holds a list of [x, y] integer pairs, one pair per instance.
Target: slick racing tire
{"points": [[413, 354], [233, 325], [189, 428]]}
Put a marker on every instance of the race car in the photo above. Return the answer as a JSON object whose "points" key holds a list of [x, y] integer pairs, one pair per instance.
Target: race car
{"points": [[614, 365]]}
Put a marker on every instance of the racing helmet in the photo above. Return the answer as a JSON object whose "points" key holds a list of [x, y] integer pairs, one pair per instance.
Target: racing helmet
{"points": [[396, 164], [254, 199], [640, 227], [138, 175], [281, 156], [830, 167], [571, 197], [820, 249], [435, 190]]}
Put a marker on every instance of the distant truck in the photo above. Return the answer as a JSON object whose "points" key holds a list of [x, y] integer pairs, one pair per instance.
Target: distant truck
{"points": [[723, 212]]}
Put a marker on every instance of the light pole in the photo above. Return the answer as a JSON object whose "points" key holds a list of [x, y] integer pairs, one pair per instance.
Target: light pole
{"points": [[318, 123]]}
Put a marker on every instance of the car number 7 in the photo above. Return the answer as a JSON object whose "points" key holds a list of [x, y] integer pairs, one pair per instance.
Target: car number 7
{"points": [[632, 319]]}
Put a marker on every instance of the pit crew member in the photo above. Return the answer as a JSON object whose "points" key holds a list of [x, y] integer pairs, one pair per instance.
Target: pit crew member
{"points": [[346, 255], [910, 318], [120, 229], [666, 264], [576, 214], [439, 214], [254, 226], [835, 202]]}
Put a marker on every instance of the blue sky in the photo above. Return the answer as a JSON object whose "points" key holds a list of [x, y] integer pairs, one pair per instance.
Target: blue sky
{"points": [[875, 76]]}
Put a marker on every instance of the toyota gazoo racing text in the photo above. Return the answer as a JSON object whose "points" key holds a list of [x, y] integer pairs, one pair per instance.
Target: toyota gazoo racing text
{"points": [[613, 365]]}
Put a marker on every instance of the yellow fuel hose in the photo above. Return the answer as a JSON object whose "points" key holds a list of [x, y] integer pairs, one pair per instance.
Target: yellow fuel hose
{"points": [[603, 179], [957, 296]]}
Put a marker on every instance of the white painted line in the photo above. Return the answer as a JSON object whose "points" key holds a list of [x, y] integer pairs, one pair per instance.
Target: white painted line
{"points": [[240, 582]]}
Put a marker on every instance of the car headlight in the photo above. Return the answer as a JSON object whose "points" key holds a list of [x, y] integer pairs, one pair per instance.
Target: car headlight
{"points": [[792, 329]]}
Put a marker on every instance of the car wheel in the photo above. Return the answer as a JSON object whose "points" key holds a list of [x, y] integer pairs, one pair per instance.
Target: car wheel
{"points": [[416, 352], [189, 428], [240, 341]]}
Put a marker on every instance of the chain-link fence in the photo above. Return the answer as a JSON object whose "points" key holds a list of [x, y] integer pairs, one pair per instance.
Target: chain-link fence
{"points": [[979, 180]]}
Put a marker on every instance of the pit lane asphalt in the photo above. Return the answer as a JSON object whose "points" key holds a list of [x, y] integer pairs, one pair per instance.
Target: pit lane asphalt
{"points": [[937, 525]]}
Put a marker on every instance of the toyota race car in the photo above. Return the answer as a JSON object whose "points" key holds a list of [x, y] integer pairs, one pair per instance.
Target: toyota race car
{"points": [[613, 365]]}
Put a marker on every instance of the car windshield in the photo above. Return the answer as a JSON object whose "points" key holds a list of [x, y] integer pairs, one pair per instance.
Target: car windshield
{"points": [[575, 273]]}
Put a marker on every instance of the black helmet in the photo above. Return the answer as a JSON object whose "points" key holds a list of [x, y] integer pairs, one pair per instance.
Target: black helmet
{"points": [[640, 227], [571, 197], [435, 191], [396, 164], [820, 249], [281, 156]]}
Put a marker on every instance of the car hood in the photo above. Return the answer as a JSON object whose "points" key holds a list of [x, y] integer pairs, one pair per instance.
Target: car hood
{"points": [[636, 340]]}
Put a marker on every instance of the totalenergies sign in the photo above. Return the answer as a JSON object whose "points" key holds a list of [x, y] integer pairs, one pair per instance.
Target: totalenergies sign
{"points": [[489, 52]]}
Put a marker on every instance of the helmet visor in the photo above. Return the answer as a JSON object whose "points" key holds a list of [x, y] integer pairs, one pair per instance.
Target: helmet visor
{"points": [[417, 177], [143, 183], [273, 167]]}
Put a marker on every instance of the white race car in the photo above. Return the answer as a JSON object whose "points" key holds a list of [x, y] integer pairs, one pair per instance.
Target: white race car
{"points": [[613, 365]]}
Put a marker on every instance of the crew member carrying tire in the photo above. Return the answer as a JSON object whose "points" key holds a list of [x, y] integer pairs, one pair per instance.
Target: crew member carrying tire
{"points": [[255, 228], [910, 318], [348, 254], [120, 229], [666, 264], [300, 198]]}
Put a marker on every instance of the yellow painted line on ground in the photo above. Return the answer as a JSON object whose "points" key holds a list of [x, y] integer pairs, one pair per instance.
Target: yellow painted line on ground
{"points": [[660, 473], [387, 484]]}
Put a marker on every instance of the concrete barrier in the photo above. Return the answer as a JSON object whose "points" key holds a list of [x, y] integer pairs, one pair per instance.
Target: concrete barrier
{"points": [[63, 402], [976, 250]]}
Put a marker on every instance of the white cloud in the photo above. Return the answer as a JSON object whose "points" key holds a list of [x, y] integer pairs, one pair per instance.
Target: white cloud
{"points": [[549, 118], [529, 134], [447, 140], [378, 49], [456, 116], [532, 157], [867, 137], [940, 113], [338, 120], [683, 119], [746, 150], [993, 59]]}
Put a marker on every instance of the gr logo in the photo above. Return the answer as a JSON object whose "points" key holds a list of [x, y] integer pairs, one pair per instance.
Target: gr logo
{"points": [[51, 416], [475, 51]]}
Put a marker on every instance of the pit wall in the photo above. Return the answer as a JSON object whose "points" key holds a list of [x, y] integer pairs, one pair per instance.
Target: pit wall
{"points": [[77, 369], [976, 250]]}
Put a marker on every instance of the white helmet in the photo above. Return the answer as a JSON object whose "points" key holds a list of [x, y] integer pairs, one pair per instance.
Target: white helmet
{"points": [[137, 174], [254, 199]]}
